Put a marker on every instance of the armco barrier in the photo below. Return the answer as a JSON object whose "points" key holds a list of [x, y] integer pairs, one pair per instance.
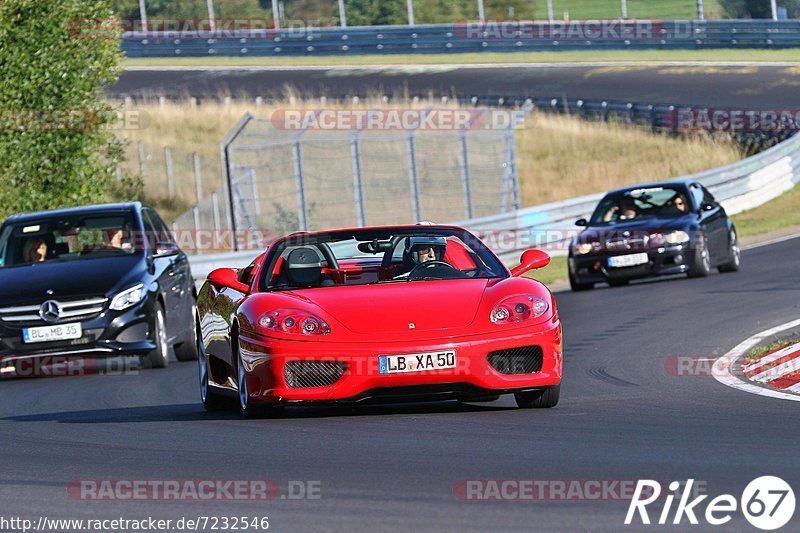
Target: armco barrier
{"points": [[463, 38], [739, 186]]}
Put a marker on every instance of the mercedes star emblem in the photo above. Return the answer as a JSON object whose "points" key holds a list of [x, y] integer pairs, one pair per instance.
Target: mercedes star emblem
{"points": [[50, 311]]}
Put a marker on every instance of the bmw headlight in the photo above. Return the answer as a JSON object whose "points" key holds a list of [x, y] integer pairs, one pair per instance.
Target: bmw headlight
{"points": [[128, 297], [676, 237], [585, 248]]}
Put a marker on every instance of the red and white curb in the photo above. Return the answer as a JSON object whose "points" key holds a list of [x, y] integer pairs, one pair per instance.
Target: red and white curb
{"points": [[770, 376]]}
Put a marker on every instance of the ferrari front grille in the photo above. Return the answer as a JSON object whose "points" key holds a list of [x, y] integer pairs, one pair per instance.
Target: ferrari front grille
{"points": [[524, 360], [304, 374]]}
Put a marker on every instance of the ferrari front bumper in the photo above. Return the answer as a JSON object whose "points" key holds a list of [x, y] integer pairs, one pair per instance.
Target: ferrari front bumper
{"points": [[265, 361]]}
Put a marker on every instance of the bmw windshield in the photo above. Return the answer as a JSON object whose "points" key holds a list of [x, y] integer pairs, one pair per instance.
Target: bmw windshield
{"points": [[635, 204]]}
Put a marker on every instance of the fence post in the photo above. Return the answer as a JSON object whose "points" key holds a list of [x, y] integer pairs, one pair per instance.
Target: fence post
{"points": [[701, 11], [302, 214], [225, 165], [217, 222], [481, 16], [465, 177], [198, 188], [510, 176], [118, 173], [624, 7], [143, 15], [358, 186], [254, 192], [550, 10], [212, 22], [141, 159], [410, 8], [412, 174], [196, 216], [342, 16], [170, 177], [276, 16], [774, 6]]}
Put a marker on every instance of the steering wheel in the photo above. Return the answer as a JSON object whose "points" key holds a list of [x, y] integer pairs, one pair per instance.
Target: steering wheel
{"points": [[429, 264]]}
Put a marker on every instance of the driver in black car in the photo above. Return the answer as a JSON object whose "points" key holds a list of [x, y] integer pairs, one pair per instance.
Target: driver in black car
{"points": [[420, 250]]}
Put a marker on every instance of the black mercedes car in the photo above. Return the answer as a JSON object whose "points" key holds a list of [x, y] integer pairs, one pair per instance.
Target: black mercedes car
{"points": [[674, 227], [94, 281]]}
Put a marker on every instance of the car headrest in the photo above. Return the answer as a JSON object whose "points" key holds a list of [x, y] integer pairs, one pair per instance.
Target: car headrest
{"points": [[62, 248], [303, 267]]}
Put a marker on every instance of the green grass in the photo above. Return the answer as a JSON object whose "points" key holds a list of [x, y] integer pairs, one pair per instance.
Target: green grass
{"points": [[596, 56], [781, 212], [759, 352], [555, 271], [604, 9]]}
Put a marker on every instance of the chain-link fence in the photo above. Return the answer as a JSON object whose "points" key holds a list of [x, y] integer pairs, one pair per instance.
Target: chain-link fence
{"points": [[305, 179]]}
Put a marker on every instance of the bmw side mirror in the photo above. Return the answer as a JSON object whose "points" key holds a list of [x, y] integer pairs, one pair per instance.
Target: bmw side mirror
{"points": [[581, 222], [530, 260], [707, 206]]}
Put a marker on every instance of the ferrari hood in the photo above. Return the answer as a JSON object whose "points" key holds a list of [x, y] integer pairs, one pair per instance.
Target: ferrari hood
{"points": [[402, 306]]}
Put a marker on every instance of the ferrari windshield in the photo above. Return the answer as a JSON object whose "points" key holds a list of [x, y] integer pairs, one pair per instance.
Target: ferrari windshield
{"points": [[66, 238], [640, 203], [378, 256]]}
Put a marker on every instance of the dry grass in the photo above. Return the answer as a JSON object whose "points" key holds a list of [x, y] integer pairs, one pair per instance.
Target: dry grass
{"points": [[559, 157]]}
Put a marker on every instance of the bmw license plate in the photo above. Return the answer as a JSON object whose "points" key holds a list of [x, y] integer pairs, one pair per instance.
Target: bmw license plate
{"points": [[417, 362], [628, 260], [60, 332]]}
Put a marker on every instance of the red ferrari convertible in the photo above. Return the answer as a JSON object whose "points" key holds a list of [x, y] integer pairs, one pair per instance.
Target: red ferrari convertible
{"points": [[378, 314]]}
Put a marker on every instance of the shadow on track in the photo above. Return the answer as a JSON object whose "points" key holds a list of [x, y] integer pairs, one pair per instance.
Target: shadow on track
{"points": [[191, 412]]}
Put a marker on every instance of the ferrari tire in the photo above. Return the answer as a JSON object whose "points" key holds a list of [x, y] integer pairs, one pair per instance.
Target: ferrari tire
{"points": [[540, 399], [576, 286], [212, 400], [158, 358], [247, 407], [701, 263], [188, 349], [734, 254]]}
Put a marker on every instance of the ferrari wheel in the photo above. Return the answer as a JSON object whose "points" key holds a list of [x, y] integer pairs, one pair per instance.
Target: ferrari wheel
{"points": [[540, 399], [187, 350], [158, 358], [701, 266], [249, 410], [212, 401], [734, 255]]}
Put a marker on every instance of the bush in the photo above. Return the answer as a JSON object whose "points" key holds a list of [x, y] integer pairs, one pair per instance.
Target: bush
{"points": [[56, 147], [758, 9]]}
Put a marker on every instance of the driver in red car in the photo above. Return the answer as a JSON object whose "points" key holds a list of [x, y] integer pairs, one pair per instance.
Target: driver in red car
{"points": [[420, 250]]}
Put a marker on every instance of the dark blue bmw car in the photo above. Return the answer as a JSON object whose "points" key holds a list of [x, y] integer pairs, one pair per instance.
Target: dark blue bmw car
{"points": [[674, 227]]}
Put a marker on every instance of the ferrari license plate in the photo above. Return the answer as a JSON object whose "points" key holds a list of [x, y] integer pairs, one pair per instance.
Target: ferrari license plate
{"points": [[417, 362], [60, 332], [628, 260]]}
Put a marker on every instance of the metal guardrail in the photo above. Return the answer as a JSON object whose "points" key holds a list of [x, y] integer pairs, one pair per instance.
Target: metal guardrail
{"points": [[460, 38]]}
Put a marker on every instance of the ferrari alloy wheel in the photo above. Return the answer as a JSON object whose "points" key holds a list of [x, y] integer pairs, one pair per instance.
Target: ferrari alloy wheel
{"points": [[701, 266], [187, 350], [734, 254], [158, 358], [212, 401], [540, 399]]}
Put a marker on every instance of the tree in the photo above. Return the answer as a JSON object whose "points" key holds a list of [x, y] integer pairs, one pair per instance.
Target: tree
{"points": [[56, 145]]}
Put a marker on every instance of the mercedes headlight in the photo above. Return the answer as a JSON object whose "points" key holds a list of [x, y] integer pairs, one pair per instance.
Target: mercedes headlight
{"points": [[128, 297]]}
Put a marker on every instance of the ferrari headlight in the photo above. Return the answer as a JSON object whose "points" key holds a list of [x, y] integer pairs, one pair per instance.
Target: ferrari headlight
{"points": [[294, 321], [676, 237], [518, 309], [128, 297]]}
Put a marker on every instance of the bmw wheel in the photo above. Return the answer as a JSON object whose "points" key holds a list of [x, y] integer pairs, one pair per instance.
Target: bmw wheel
{"points": [[734, 254], [701, 266]]}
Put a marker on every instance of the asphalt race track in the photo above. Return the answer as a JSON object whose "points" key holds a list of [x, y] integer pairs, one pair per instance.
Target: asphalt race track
{"points": [[737, 86], [622, 416]]}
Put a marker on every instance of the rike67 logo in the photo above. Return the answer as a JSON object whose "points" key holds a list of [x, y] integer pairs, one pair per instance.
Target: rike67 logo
{"points": [[767, 503]]}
